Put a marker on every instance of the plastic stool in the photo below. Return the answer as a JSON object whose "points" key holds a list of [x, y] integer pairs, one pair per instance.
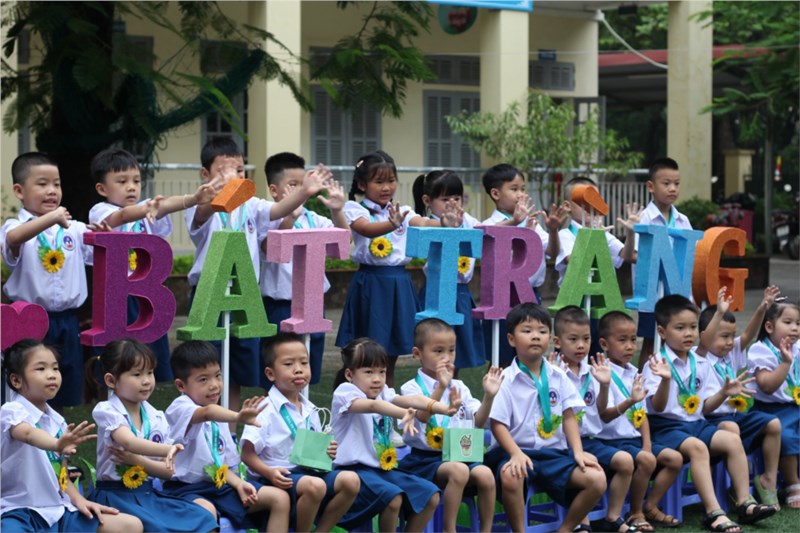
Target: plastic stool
{"points": [[683, 493]]}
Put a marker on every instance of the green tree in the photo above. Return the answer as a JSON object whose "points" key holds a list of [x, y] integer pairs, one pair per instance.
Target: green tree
{"points": [[548, 139], [90, 90]]}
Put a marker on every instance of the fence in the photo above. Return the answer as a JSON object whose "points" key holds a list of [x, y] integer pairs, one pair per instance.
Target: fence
{"points": [[616, 194]]}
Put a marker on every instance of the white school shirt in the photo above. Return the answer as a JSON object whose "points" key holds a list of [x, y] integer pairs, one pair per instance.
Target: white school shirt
{"points": [[591, 424], [110, 416], [273, 441], [737, 360], [30, 282], [195, 438], [517, 407], [464, 418], [468, 222], [621, 427], [537, 280], [375, 213], [760, 356], [254, 223], [705, 385], [353, 431], [652, 216], [161, 227], [27, 480], [276, 278], [568, 239]]}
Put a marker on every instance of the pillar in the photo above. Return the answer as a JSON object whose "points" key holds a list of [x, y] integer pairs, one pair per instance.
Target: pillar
{"points": [[738, 169]]}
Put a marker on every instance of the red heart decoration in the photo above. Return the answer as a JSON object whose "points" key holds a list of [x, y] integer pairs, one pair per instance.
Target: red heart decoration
{"points": [[22, 320]]}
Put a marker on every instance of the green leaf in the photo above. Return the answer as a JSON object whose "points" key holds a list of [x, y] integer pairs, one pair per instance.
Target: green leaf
{"points": [[210, 470]]}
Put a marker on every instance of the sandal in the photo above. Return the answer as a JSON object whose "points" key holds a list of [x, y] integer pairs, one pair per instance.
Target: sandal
{"points": [[767, 497], [757, 511], [639, 522], [583, 527], [793, 496], [604, 524], [657, 516], [729, 525]]}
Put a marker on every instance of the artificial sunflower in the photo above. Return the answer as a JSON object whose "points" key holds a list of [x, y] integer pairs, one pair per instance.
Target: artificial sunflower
{"points": [[638, 417], [555, 422], [796, 395], [463, 264], [435, 437], [691, 404], [388, 459], [220, 476], [52, 260], [134, 477], [380, 247], [132, 260], [739, 403], [63, 477]]}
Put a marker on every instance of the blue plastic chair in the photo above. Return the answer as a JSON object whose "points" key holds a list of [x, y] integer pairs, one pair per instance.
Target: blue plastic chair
{"points": [[683, 492]]}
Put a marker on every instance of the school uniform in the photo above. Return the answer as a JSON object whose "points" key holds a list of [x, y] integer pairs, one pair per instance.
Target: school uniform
{"points": [[762, 355], [252, 218], [276, 289], [357, 434], [674, 425], [424, 461], [620, 433], [537, 280], [517, 406], [157, 511], [751, 423], [381, 302], [30, 496], [190, 480], [163, 228], [589, 419], [469, 335], [652, 216], [272, 442], [61, 293]]}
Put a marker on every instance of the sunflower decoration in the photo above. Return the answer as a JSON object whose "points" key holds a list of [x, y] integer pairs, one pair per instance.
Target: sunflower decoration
{"points": [[218, 474], [741, 404], [464, 264], [689, 403], [794, 392], [579, 417], [380, 247], [52, 260], [132, 260], [555, 422], [132, 476], [637, 417], [63, 476], [435, 437], [388, 458]]}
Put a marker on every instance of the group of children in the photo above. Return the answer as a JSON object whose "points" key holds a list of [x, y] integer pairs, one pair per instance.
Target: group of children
{"points": [[565, 422]]}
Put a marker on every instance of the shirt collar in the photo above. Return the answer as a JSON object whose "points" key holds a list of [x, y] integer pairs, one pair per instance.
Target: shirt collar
{"points": [[33, 410], [516, 371], [654, 213], [278, 399], [624, 369], [577, 224], [582, 371], [25, 215], [430, 382], [372, 206], [499, 214]]}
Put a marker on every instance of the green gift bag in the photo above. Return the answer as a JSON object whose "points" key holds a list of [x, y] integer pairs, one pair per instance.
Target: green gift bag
{"points": [[310, 450], [463, 445]]}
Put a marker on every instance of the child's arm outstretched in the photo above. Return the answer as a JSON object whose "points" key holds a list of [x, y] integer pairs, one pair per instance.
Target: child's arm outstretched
{"points": [[491, 386], [125, 438], [751, 331], [21, 234], [628, 252], [132, 213], [202, 196], [216, 413], [335, 203], [732, 387], [723, 304], [553, 222], [153, 468], [314, 181], [770, 380], [67, 444]]}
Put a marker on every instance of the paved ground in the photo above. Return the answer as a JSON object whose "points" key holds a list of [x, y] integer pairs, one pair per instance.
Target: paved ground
{"points": [[784, 273]]}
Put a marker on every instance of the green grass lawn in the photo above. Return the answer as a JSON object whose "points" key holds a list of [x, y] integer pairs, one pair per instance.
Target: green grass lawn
{"points": [[785, 521]]}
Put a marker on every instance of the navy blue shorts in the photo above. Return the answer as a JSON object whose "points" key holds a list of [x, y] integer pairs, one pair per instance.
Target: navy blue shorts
{"points": [[671, 433], [24, 520], [425, 464], [647, 325], [599, 449], [279, 310], [295, 474], [751, 426], [789, 414], [550, 474], [64, 334], [632, 446], [225, 499]]}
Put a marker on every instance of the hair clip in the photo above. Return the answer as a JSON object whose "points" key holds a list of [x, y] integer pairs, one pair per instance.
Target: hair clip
{"points": [[358, 163], [781, 299]]}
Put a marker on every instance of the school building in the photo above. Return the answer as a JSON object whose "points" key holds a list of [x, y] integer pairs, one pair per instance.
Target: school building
{"points": [[485, 55]]}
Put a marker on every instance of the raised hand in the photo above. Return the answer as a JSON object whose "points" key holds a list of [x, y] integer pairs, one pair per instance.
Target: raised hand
{"points": [[336, 197], [455, 402], [785, 348], [555, 358], [61, 216], [634, 212], [452, 217], [204, 194], [659, 367], [492, 381], [723, 303], [523, 208], [316, 179], [638, 392], [444, 372], [100, 226], [217, 183], [152, 208], [600, 369], [288, 191], [737, 387], [396, 217], [555, 218], [408, 422], [250, 410], [770, 293], [68, 443]]}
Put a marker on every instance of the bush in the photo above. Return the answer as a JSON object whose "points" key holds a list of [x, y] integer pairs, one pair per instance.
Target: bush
{"points": [[182, 264], [697, 210]]}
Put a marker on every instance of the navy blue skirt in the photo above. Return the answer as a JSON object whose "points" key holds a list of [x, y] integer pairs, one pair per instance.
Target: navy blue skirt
{"points": [[24, 520], [158, 511], [469, 335], [551, 472], [379, 488], [225, 499], [425, 464], [751, 426], [646, 327], [279, 310], [506, 352], [64, 334], [671, 433], [381, 304], [789, 414], [160, 347]]}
